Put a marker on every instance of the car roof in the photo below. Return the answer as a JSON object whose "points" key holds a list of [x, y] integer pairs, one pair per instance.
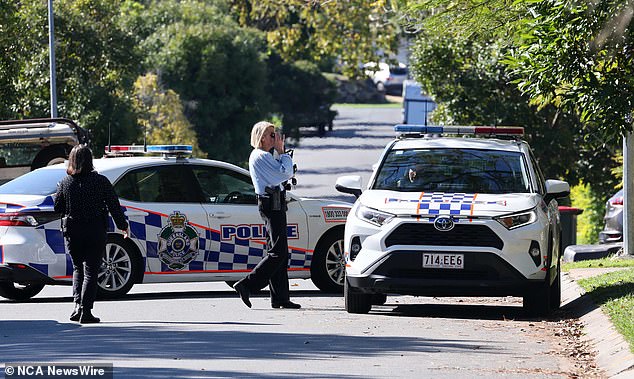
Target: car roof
{"points": [[114, 167], [459, 143]]}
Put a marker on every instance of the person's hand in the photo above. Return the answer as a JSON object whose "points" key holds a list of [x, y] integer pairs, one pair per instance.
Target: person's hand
{"points": [[126, 234], [279, 142]]}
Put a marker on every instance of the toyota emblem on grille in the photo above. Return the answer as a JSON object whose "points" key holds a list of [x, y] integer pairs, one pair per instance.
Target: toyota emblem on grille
{"points": [[443, 223]]}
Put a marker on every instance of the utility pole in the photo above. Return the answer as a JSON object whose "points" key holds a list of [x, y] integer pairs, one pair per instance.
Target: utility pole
{"points": [[628, 193], [51, 54]]}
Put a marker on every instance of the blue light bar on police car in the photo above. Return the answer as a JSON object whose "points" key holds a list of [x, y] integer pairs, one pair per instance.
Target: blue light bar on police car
{"points": [[170, 149], [455, 129], [123, 150]]}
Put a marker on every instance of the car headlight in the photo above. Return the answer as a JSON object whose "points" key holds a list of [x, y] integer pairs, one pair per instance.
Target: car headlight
{"points": [[374, 216], [518, 219]]}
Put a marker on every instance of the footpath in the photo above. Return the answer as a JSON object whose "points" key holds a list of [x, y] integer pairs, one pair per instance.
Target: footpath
{"points": [[613, 354]]}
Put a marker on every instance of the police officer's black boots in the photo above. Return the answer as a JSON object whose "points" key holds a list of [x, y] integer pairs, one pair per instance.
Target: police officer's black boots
{"points": [[87, 317]]}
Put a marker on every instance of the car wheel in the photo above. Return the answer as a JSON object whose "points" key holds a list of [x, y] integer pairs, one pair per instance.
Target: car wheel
{"points": [[380, 87], [17, 291], [356, 302], [121, 265], [328, 268], [49, 156]]}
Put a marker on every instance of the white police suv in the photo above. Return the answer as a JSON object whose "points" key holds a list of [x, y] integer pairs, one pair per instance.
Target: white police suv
{"points": [[190, 220], [449, 215]]}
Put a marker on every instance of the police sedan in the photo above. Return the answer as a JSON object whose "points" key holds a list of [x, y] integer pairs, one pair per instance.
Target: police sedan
{"points": [[449, 214], [190, 220]]}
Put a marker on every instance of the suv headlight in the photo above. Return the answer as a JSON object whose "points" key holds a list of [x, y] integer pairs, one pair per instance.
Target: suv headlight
{"points": [[518, 219], [374, 216]]}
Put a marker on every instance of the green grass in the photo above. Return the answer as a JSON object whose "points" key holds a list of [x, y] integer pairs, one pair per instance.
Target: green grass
{"points": [[594, 263], [614, 292]]}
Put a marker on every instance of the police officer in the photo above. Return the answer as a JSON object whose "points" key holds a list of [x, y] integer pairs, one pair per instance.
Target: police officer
{"points": [[270, 167], [84, 198]]}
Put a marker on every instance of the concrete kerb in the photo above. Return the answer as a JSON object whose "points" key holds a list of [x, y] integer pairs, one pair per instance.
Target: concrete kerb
{"points": [[613, 354]]}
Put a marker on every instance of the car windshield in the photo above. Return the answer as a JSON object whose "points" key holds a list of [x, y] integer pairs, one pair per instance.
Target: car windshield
{"points": [[453, 170], [39, 182]]}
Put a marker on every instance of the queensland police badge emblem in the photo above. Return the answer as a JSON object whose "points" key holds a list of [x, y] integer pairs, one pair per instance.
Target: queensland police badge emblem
{"points": [[177, 242]]}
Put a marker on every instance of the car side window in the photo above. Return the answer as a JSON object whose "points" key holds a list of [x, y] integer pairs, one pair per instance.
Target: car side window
{"points": [[540, 181], [221, 185], [159, 184]]}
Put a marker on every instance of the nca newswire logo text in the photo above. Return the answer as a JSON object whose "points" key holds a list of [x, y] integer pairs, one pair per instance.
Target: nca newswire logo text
{"points": [[53, 370]]}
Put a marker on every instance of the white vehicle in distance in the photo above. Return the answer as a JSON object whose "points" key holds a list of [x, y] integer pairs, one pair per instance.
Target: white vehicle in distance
{"points": [[26, 145], [447, 215], [387, 78], [190, 220]]}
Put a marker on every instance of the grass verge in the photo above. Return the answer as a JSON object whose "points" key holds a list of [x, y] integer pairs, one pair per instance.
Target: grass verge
{"points": [[613, 292], [595, 263]]}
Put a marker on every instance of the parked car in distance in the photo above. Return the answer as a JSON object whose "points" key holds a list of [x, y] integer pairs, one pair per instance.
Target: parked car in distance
{"points": [[190, 220], [613, 220], [26, 145], [387, 78]]}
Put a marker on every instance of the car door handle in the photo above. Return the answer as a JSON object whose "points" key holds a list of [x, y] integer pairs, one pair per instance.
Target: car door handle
{"points": [[136, 213], [219, 215]]}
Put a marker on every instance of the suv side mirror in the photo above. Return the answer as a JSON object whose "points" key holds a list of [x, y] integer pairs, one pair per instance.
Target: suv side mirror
{"points": [[349, 184], [556, 189]]}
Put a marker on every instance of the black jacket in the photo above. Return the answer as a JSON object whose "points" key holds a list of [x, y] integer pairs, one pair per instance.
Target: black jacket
{"points": [[87, 198]]}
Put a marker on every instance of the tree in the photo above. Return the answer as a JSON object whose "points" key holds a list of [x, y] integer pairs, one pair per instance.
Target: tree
{"points": [[161, 115], [352, 31], [96, 65], [217, 68], [579, 56]]}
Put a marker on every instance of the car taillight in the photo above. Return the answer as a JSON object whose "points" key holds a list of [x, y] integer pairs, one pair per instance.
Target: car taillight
{"points": [[24, 219], [617, 201]]}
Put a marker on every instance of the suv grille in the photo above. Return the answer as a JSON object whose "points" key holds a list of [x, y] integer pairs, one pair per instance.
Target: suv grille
{"points": [[460, 235]]}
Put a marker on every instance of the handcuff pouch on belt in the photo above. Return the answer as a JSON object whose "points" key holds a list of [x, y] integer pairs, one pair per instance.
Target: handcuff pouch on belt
{"points": [[274, 197]]}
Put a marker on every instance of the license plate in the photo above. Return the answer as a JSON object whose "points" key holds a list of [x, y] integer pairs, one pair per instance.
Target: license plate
{"points": [[438, 260]]}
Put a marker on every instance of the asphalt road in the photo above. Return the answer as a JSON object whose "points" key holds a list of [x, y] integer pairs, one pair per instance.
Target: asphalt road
{"points": [[201, 330]]}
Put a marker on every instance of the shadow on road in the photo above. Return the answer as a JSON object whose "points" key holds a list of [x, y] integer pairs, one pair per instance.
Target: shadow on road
{"points": [[111, 341]]}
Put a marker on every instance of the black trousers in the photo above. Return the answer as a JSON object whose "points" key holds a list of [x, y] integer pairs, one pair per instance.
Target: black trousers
{"points": [[272, 270], [86, 246]]}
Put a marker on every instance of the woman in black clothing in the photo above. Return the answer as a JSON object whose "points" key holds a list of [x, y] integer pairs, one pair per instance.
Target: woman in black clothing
{"points": [[84, 199]]}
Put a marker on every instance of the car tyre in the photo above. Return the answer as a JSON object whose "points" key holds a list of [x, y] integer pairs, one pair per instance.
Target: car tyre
{"points": [[356, 302], [17, 291], [328, 267], [121, 266], [50, 155]]}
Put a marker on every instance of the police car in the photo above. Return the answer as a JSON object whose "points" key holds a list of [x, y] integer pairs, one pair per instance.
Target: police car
{"points": [[449, 215], [190, 220]]}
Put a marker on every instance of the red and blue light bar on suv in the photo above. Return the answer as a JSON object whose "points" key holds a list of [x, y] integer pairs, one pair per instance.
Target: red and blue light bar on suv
{"points": [[455, 129]]}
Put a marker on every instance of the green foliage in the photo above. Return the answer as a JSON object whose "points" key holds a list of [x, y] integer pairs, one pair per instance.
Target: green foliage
{"points": [[161, 115], [468, 75], [598, 263], [578, 56], [95, 62], [216, 67], [350, 31], [590, 222], [300, 93]]}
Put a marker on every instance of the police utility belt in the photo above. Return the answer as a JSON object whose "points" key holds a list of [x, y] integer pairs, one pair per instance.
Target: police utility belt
{"points": [[274, 199]]}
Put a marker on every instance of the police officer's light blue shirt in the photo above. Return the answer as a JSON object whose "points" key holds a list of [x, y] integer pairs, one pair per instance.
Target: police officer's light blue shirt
{"points": [[266, 171]]}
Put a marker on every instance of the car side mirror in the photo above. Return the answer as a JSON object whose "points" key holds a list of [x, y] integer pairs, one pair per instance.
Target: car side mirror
{"points": [[349, 184], [556, 189]]}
